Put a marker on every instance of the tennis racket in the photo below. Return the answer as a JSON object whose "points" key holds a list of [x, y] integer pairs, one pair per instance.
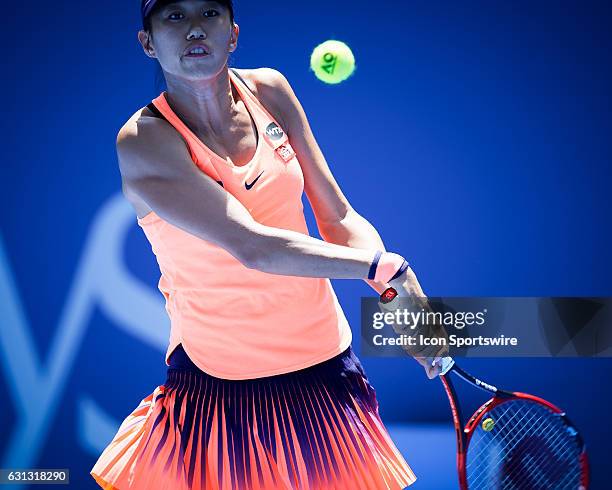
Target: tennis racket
{"points": [[514, 441]]}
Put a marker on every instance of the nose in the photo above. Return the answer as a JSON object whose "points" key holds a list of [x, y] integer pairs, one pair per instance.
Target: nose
{"points": [[196, 32]]}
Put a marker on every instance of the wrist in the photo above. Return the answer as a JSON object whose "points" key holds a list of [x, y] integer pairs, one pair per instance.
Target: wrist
{"points": [[387, 266], [399, 280]]}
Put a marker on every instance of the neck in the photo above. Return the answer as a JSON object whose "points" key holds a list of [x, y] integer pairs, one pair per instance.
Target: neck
{"points": [[205, 105]]}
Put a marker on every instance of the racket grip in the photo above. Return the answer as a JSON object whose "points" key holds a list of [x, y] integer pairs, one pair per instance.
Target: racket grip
{"points": [[447, 363]]}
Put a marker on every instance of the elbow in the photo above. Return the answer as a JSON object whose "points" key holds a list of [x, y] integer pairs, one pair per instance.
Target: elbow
{"points": [[255, 248]]}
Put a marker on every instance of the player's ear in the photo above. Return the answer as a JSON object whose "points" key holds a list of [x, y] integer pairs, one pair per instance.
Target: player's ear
{"points": [[144, 37], [234, 38]]}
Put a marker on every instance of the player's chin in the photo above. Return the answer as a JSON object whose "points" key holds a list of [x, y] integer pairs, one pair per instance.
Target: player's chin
{"points": [[199, 66]]}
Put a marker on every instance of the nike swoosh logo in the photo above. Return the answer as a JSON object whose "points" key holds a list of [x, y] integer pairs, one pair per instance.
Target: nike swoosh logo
{"points": [[248, 186]]}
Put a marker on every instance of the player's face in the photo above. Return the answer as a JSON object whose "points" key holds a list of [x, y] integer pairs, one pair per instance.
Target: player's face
{"points": [[178, 27]]}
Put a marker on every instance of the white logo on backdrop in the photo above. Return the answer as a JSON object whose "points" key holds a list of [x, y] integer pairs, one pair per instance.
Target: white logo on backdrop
{"points": [[36, 385]]}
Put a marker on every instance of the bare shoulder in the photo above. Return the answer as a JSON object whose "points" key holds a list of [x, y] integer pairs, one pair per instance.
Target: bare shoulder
{"points": [[144, 134], [141, 139], [266, 78], [139, 126]]}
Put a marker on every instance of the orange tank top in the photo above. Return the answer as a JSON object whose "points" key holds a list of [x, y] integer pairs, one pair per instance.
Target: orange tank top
{"points": [[235, 322]]}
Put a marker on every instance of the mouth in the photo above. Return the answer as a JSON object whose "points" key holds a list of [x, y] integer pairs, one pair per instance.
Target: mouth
{"points": [[196, 51]]}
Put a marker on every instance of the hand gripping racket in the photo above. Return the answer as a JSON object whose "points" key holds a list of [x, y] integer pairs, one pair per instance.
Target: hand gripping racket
{"points": [[515, 441]]}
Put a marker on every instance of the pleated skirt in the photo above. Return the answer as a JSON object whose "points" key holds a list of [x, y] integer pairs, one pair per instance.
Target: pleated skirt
{"points": [[316, 428]]}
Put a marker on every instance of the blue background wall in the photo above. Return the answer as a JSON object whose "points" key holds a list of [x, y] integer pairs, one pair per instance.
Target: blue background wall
{"points": [[483, 126]]}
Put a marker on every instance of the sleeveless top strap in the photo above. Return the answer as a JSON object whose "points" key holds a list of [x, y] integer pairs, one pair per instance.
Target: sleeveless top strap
{"points": [[155, 111], [242, 80], [274, 134]]}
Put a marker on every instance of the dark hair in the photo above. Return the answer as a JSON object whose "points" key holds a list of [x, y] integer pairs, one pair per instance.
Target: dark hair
{"points": [[149, 7]]}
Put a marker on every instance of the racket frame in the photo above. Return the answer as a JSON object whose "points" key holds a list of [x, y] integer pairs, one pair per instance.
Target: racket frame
{"points": [[464, 433]]}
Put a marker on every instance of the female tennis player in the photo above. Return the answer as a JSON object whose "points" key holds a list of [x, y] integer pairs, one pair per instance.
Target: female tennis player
{"points": [[263, 390]]}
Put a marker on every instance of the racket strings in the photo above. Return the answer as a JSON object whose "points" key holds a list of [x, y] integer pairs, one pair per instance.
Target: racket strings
{"points": [[530, 476], [532, 466], [479, 440], [482, 458], [533, 457], [529, 447], [557, 473], [485, 454]]}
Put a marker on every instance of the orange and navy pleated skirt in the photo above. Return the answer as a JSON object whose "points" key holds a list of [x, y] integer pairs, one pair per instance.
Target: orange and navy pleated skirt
{"points": [[313, 429]]}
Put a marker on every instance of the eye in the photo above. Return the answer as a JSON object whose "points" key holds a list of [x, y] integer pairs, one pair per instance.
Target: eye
{"points": [[174, 16], [211, 13]]}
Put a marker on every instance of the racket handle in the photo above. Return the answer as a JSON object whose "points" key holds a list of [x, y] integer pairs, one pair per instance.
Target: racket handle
{"points": [[447, 364]]}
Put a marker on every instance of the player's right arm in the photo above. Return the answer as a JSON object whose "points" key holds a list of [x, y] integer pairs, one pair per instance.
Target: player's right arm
{"points": [[156, 166]]}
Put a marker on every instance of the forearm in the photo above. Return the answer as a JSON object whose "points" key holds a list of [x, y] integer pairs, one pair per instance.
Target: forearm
{"points": [[357, 232], [287, 252]]}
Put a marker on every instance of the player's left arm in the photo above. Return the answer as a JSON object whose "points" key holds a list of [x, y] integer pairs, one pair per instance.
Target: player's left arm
{"points": [[337, 221]]}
